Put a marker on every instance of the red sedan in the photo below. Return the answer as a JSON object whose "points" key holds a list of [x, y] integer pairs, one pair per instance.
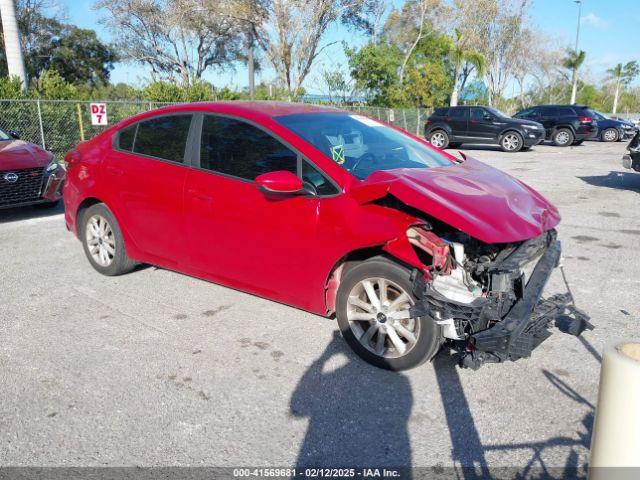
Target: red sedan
{"points": [[29, 175], [328, 211]]}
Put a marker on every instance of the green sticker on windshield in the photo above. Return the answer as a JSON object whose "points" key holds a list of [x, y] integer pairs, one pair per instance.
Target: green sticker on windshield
{"points": [[337, 154]]}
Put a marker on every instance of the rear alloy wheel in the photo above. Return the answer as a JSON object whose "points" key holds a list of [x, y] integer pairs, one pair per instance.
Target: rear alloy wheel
{"points": [[610, 135], [511, 142], [439, 139], [373, 304], [102, 241], [562, 137]]}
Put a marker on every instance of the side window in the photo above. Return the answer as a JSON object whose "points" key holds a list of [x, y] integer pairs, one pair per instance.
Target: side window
{"points": [[528, 113], [458, 113], [126, 138], [236, 148], [163, 137], [319, 181], [549, 112], [566, 111], [477, 114]]}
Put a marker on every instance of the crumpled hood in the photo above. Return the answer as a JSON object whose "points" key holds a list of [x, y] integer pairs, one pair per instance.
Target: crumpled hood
{"points": [[480, 200], [18, 154]]}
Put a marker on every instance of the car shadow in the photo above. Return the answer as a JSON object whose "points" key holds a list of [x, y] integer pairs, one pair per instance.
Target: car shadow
{"points": [[616, 180], [357, 414], [29, 212], [358, 417]]}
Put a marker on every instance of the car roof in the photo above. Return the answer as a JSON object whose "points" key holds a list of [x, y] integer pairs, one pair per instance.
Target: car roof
{"points": [[266, 108], [562, 105]]}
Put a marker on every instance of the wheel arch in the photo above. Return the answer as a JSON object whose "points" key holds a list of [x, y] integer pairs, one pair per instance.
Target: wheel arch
{"points": [[439, 126], [350, 260], [510, 129], [90, 201]]}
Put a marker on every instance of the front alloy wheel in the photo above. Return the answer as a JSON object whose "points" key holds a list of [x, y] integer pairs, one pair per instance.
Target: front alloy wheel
{"points": [[511, 142], [610, 135], [372, 309], [377, 314]]}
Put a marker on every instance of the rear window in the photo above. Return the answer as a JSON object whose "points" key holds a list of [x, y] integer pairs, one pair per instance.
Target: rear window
{"points": [[126, 138], [458, 113], [163, 137], [566, 111]]}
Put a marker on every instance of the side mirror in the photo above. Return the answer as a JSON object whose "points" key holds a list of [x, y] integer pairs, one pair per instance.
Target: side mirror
{"points": [[14, 134], [281, 181]]}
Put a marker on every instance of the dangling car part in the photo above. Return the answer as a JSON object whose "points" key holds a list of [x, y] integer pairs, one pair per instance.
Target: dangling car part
{"points": [[632, 159]]}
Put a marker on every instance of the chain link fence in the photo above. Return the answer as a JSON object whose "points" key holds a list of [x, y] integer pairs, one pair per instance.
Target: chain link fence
{"points": [[59, 125]]}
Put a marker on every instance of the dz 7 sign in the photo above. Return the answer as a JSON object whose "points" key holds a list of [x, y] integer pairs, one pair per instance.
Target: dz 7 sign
{"points": [[99, 114]]}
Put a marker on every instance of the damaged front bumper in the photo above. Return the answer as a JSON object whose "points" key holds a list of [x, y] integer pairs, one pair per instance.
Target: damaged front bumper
{"points": [[512, 319]]}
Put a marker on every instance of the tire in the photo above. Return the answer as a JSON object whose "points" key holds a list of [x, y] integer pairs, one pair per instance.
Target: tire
{"points": [[511, 142], [107, 238], [427, 338], [562, 137], [609, 135], [439, 139]]}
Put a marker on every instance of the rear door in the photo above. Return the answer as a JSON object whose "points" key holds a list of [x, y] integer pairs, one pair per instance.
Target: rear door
{"points": [[457, 120], [549, 118], [145, 174], [238, 234]]}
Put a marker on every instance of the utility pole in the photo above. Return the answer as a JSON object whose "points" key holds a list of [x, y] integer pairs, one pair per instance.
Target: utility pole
{"points": [[13, 51], [574, 88]]}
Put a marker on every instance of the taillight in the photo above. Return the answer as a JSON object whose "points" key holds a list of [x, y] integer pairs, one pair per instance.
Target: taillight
{"points": [[585, 119], [72, 158]]}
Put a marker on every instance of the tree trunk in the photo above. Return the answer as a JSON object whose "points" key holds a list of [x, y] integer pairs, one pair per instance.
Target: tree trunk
{"points": [[615, 97], [454, 93], [15, 61], [574, 87], [250, 66]]}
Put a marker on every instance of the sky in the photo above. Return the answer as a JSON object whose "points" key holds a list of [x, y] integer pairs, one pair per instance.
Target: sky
{"points": [[609, 34]]}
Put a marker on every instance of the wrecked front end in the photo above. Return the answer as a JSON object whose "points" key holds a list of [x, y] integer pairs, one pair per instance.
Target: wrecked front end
{"points": [[487, 298]]}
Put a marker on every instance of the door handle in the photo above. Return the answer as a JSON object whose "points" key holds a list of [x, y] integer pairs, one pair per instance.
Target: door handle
{"points": [[197, 195], [114, 170]]}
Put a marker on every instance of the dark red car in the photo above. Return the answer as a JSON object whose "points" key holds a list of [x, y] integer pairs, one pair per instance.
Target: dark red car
{"points": [[328, 211], [29, 175]]}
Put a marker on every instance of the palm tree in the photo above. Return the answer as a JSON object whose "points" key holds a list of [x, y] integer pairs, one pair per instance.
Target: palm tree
{"points": [[622, 75], [573, 62], [459, 56]]}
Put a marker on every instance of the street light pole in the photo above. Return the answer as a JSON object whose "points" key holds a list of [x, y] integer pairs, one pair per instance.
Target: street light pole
{"points": [[13, 51], [574, 88]]}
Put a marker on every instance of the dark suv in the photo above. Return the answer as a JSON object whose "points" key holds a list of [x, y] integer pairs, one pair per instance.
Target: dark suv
{"points": [[565, 124], [453, 126]]}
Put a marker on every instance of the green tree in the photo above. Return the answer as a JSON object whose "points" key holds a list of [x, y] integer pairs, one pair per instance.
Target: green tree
{"points": [[622, 76], [464, 61], [573, 61], [76, 54]]}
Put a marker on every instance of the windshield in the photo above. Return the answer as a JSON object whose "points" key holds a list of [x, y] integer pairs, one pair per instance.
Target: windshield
{"points": [[497, 112], [361, 145], [4, 135]]}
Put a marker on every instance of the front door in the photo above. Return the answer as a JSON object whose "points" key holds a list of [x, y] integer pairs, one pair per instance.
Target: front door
{"points": [[238, 234], [484, 127]]}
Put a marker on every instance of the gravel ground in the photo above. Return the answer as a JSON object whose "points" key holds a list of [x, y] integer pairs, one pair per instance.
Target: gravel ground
{"points": [[157, 368]]}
